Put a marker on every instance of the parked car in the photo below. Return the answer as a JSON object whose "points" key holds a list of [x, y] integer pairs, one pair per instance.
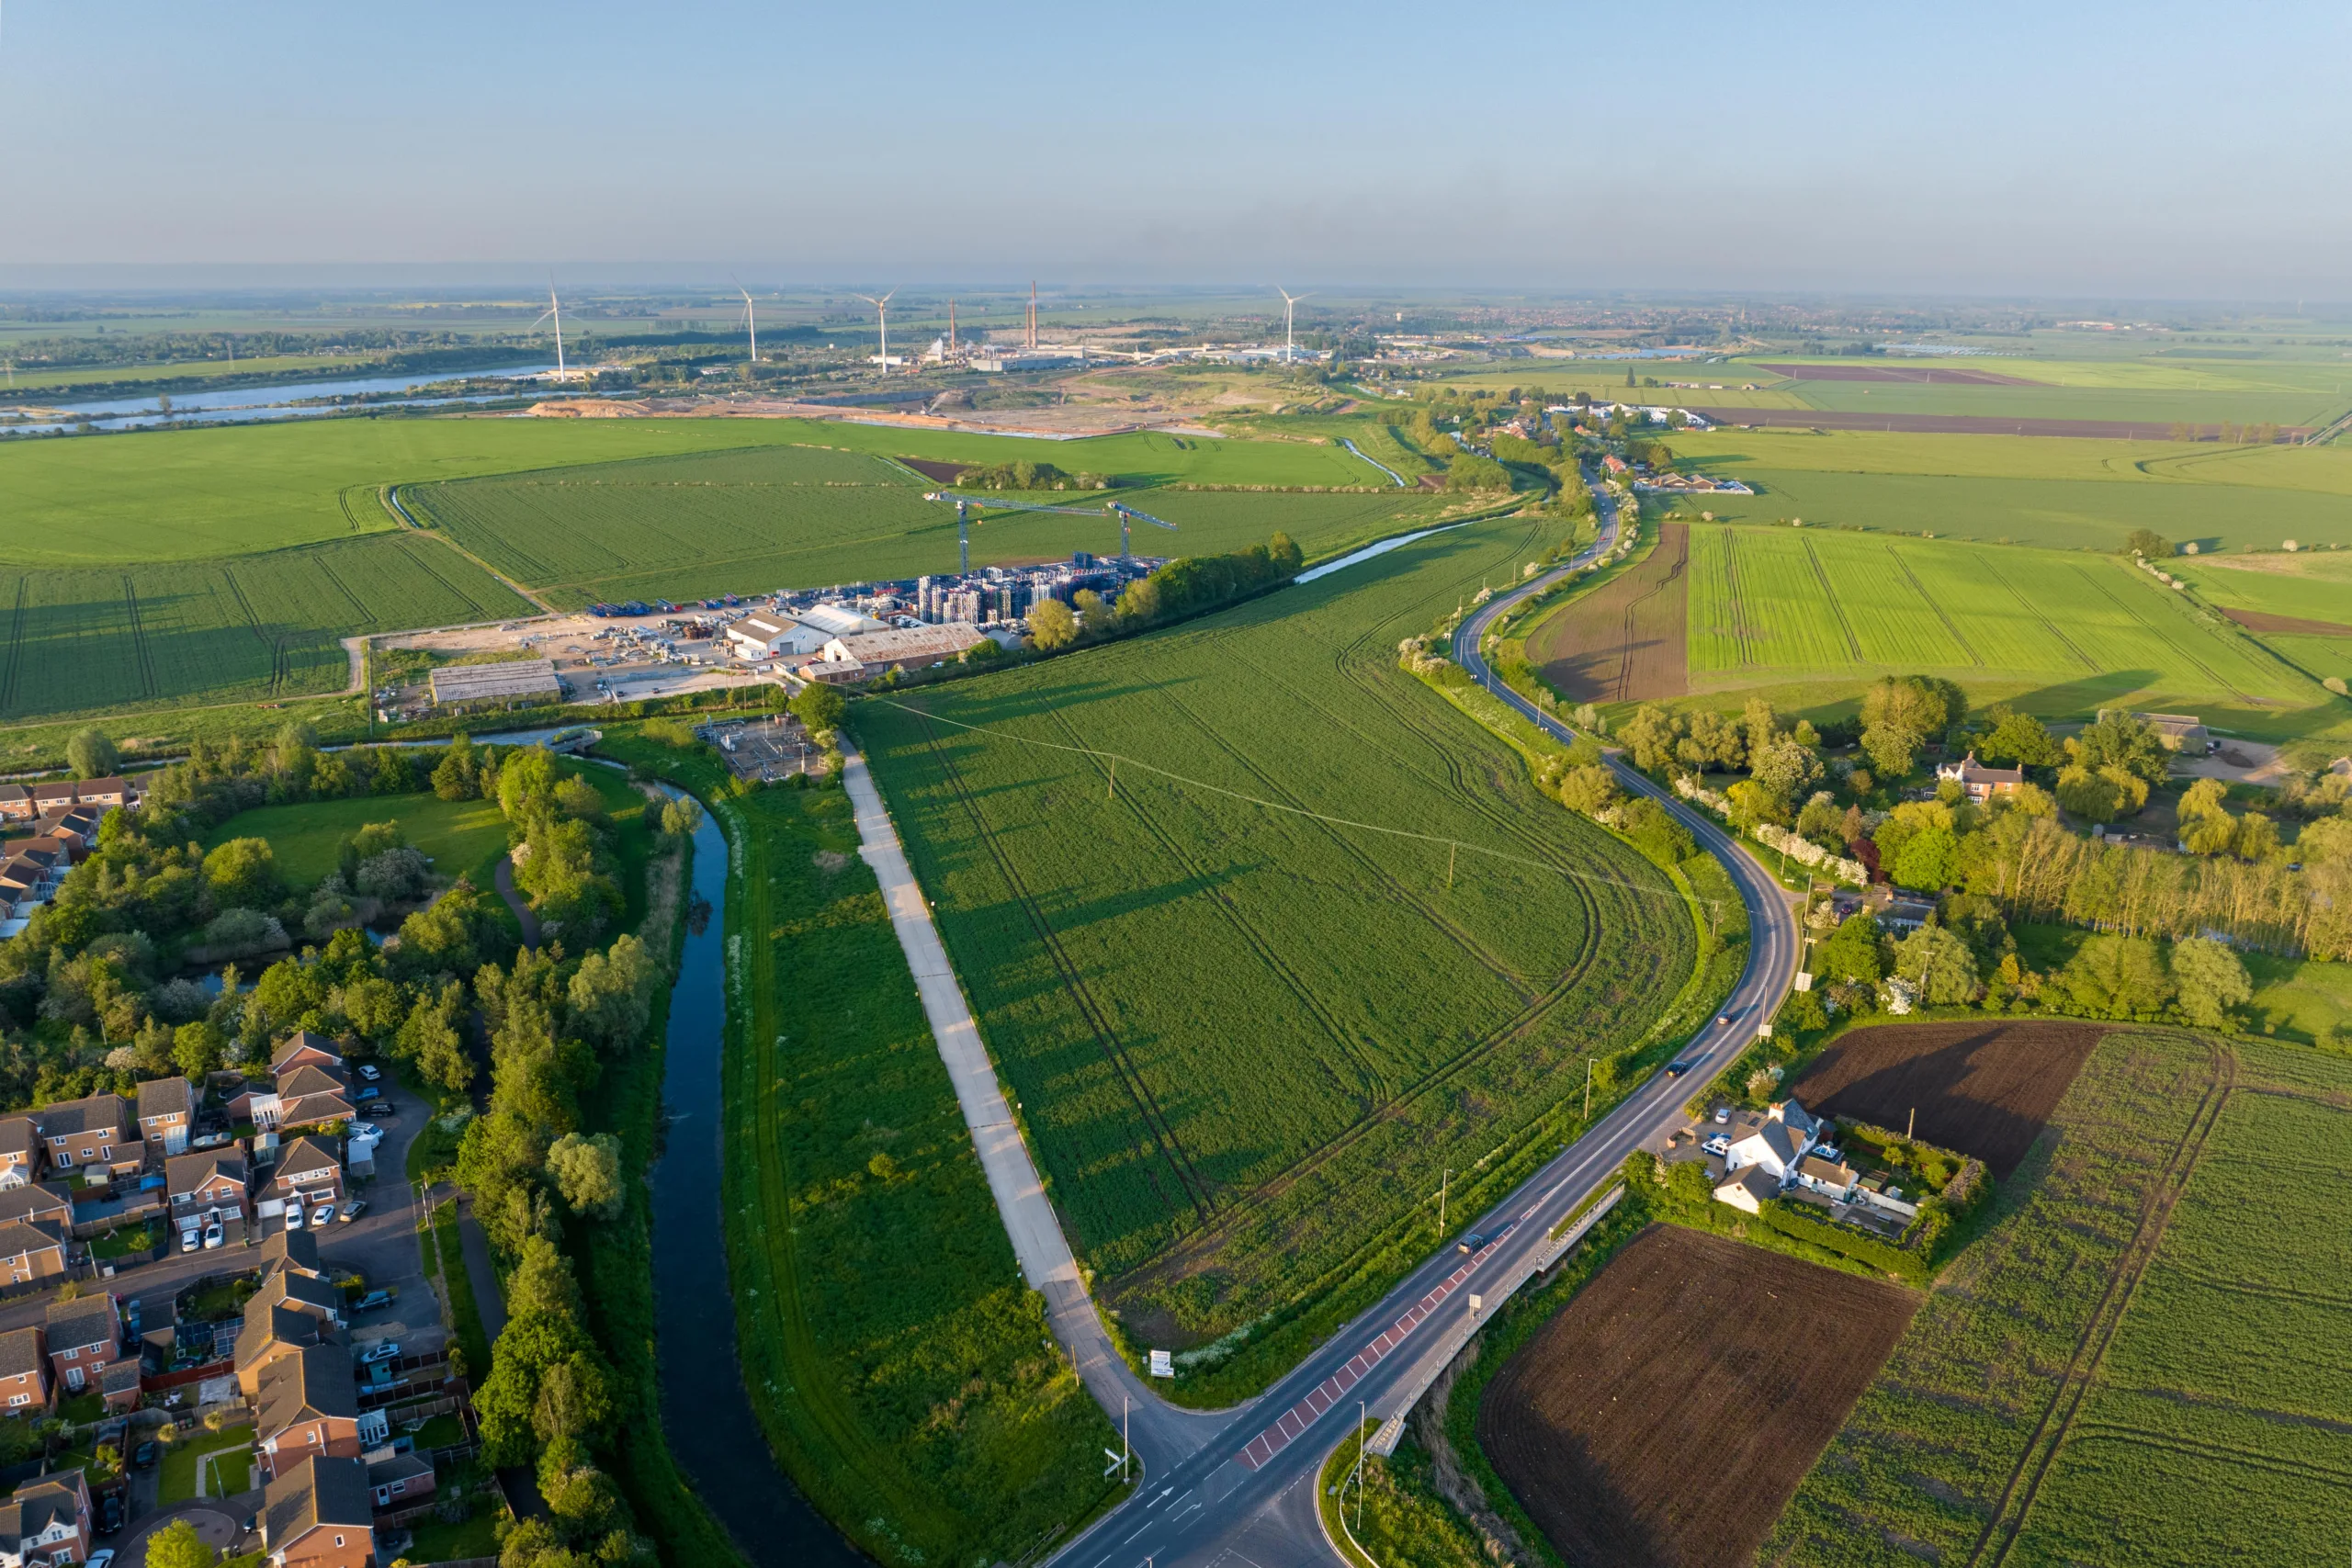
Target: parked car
{"points": [[353, 1209], [371, 1301], [190, 1241], [368, 1072], [109, 1512], [102, 1558], [294, 1218], [382, 1111], [323, 1215], [144, 1456], [389, 1351], [213, 1236]]}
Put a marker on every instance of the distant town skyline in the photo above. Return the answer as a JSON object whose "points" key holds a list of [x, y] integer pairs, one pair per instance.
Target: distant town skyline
{"points": [[2006, 150]]}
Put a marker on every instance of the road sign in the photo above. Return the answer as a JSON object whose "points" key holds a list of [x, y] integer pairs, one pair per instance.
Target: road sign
{"points": [[1163, 1365]]}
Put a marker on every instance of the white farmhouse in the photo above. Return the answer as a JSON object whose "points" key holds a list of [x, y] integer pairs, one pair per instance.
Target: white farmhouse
{"points": [[1775, 1139]]}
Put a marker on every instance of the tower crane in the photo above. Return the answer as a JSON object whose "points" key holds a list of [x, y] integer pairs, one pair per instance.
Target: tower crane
{"points": [[1126, 514]]}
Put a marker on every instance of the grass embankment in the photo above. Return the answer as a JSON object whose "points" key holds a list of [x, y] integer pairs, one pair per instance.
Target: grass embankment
{"points": [[928, 1413], [445, 1259]]}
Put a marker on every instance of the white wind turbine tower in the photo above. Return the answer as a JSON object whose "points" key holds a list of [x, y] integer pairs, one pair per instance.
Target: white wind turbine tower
{"points": [[750, 321], [882, 314], [555, 309], [1289, 300]]}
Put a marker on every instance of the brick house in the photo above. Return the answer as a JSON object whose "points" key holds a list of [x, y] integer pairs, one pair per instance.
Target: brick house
{"points": [[320, 1514], [307, 1096], [48, 1520], [37, 1205], [17, 804], [24, 1373], [168, 1114], [290, 1252], [307, 1172], [290, 1312], [97, 1131], [308, 1405], [30, 1252], [108, 791], [304, 1049], [1979, 783], [121, 1386], [53, 795], [22, 1151], [85, 1339], [209, 1187]]}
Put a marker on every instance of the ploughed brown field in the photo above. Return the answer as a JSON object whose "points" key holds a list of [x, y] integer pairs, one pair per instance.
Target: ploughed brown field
{"points": [[1628, 639], [1960, 424], [1941, 375], [1979, 1088], [1666, 1416], [2262, 621], [934, 470]]}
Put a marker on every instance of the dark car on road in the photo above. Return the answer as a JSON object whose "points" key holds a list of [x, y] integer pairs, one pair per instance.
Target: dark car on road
{"points": [[109, 1512]]}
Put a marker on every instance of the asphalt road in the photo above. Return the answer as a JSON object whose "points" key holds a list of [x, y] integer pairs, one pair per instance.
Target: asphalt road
{"points": [[1245, 1498]]}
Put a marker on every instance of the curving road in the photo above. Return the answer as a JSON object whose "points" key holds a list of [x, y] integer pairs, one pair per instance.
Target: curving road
{"points": [[1238, 1491]]}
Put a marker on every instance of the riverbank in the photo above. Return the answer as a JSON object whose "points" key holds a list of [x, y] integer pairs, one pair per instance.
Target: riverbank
{"points": [[899, 1369]]}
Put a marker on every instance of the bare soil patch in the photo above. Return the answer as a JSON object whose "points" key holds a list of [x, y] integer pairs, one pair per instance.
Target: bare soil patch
{"points": [[1978, 1089], [1923, 375], [1627, 640], [1958, 425], [2259, 621], [934, 470], [1667, 1415]]}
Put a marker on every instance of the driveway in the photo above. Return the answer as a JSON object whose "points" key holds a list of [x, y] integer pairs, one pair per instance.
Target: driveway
{"points": [[382, 1244], [217, 1530]]}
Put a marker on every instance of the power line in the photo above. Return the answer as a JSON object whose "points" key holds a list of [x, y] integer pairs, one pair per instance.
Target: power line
{"points": [[1452, 845]]}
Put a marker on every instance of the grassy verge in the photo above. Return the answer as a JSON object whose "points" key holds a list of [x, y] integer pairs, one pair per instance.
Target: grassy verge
{"points": [[1395, 1519], [928, 1415], [447, 1256]]}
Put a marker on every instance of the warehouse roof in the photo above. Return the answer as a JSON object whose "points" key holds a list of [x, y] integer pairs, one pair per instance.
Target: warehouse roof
{"points": [[478, 683]]}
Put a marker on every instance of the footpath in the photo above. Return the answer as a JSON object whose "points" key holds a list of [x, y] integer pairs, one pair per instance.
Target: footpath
{"points": [[1161, 1433]]}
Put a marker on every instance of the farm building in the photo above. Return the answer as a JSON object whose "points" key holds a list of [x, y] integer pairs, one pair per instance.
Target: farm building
{"points": [[518, 681], [1748, 1190], [2178, 731], [1774, 1140]]}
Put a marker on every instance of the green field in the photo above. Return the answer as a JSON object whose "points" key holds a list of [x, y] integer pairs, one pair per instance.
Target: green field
{"points": [[2308, 587], [464, 837], [257, 626], [2142, 1363], [1249, 1041], [2060, 632], [763, 518]]}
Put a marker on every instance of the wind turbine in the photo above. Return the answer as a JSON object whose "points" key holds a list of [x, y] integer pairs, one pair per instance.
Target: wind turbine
{"points": [[750, 321], [882, 313], [555, 309], [1289, 300]]}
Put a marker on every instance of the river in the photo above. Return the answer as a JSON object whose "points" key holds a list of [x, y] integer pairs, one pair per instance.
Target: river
{"points": [[242, 405], [705, 1413]]}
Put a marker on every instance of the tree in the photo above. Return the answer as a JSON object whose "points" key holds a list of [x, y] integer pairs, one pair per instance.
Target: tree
{"points": [[1649, 737], [2116, 977], [1784, 766], [1892, 747], [1939, 963], [1929, 861], [587, 1171], [2257, 838], [818, 706], [2210, 980], [2147, 542], [91, 754], [429, 1038], [1590, 790], [1139, 604], [611, 994], [177, 1545], [198, 1048], [2120, 739], [1088, 606], [1851, 953], [2017, 738], [242, 873], [1051, 625], [2103, 796]]}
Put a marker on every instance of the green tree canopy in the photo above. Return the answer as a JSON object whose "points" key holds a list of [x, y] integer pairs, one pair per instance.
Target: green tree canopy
{"points": [[2211, 979], [91, 754]]}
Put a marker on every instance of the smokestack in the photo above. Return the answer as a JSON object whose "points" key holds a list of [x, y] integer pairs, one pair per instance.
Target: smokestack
{"points": [[1033, 314], [951, 325]]}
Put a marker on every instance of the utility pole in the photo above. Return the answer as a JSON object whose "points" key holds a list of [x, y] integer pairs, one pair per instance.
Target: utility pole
{"points": [[1443, 1183], [1363, 1419], [1123, 1402], [1449, 850], [1587, 1088]]}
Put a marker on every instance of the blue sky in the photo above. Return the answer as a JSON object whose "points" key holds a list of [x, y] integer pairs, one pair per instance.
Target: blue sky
{"points": [[2151, 151]]}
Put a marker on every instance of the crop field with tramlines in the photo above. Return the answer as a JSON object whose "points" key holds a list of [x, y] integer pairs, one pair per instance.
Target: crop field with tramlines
{"points": [[769, 517], [265, 625], [1775, 605], [1250, 1034], [2142, 1363]]}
